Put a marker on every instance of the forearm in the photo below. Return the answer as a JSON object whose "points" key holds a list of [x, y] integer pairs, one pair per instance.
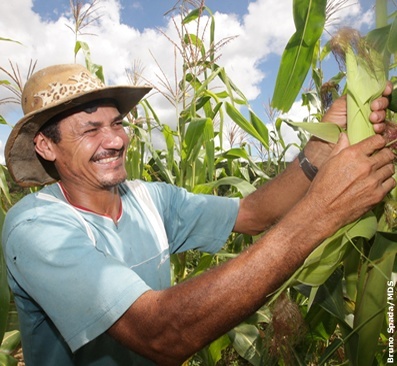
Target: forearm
{"points": [[181, 320], [270, 202]]}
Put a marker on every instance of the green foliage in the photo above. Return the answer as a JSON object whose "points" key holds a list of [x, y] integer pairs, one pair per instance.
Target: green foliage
{"points": [[309, 18]]}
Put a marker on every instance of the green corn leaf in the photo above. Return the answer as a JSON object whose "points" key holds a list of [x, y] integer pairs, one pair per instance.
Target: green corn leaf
{"points": [[309, 18], [170, 143], [391, 39], [324, 130], [236, 153], [261, 128], [247, 126], [192, 16], [323, 261], [329, 295], [8, 360], [4, 291], [244, 187], [3, 184], [212, 354], [372, 295], [193, 138], [9, 40], [209, 144], [245, 339], [10, 342]]}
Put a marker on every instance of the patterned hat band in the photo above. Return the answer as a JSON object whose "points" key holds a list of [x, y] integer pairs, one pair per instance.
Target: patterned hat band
{"points": [[78, 83], [54, 92]]}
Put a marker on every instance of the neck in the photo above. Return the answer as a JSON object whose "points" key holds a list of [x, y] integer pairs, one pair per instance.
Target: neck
{"points": [[102, 202]]}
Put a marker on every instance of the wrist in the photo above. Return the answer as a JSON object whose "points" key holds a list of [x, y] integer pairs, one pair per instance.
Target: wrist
{"points": [[307, 167], [317, 151]]}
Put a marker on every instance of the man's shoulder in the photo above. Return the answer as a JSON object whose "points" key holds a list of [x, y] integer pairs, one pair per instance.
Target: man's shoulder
{"points": [[34, 205]]}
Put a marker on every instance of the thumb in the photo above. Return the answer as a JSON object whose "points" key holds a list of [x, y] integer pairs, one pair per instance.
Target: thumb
{"points": [[343, 143]]}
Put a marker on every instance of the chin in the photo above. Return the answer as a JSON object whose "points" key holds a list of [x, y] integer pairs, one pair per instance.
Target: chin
{"points": [[112, 182]]}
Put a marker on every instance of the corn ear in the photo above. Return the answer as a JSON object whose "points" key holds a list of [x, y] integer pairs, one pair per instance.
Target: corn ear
{"points": [[365, 81]]}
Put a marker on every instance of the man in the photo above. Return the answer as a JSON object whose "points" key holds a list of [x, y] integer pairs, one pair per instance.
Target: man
{"points": [[88, 256]]}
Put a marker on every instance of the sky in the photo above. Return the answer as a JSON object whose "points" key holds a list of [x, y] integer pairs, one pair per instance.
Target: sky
{"points": [[140, 32]]}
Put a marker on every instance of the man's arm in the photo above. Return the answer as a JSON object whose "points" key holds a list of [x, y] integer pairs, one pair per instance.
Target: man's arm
{"points": [[170, 325]]}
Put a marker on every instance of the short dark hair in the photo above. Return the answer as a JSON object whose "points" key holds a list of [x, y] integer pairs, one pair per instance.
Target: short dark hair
{"points": [[51, 128]]}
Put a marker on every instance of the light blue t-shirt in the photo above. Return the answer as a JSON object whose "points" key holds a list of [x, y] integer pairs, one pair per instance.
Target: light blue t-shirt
{"points": [[74, 272]]}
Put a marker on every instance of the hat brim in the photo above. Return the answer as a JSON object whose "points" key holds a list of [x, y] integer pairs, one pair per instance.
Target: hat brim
{"points": [[24, 164]]}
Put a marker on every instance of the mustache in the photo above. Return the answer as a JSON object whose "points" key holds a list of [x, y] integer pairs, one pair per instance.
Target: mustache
{"points": [[110, 153]]}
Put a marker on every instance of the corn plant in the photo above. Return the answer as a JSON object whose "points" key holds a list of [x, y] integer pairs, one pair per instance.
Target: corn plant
{"points": [[9, 339], [358, 260]]}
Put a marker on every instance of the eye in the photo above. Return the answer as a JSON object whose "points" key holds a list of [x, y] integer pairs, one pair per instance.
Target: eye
{"points": [[118, 124], [90, 131]]}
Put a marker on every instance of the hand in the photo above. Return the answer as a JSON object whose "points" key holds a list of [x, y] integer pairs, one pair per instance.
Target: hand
{"points": [[378, 107], [318, 151], [353, 180], [338, 111]]}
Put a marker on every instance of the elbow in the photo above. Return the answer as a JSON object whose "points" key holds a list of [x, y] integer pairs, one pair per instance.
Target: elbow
{"points": [[163, 339]]}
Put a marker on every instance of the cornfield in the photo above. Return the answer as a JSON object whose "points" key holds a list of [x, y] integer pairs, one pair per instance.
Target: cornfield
{"points": [[337, 308]]}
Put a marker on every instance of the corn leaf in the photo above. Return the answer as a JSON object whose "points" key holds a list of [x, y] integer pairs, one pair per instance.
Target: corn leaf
{"points": [[309, 18], [245, 339], [255, 128], [4, 291], [323, 261], [8, 360], [244, 187], [372, 295], [325, 130], [391, 39], [329, 295], [213, 353], [10, 342]]}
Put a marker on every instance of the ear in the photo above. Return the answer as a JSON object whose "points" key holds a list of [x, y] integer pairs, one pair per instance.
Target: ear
{"points": [[44, 147]]}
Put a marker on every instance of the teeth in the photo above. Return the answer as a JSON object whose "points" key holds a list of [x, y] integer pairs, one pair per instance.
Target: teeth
{"points": [[108, 160]]}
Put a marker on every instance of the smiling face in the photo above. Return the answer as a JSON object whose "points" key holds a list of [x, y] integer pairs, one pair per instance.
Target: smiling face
{"points": [[91, 152]]}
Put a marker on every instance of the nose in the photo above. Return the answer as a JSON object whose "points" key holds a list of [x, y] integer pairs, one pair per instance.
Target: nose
{"points": [[114, 138]]}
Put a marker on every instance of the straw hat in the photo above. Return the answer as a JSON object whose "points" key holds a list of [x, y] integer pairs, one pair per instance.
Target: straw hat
{"points": [[47, 93]]}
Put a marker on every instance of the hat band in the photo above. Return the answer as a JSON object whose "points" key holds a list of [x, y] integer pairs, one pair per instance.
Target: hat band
{"points": [[57, 91]]}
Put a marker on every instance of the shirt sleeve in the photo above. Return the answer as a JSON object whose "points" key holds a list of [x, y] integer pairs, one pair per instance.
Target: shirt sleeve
{"points": [[194, 221], [83, 290]]}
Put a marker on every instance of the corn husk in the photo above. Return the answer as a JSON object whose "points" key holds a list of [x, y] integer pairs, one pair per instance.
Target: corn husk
{"points": [[365, 80]]}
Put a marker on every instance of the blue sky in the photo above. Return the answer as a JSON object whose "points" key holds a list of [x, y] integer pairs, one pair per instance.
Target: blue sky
{"points": [[128, 31], [141, 14]]}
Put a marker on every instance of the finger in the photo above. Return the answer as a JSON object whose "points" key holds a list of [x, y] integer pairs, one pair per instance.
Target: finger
{"points": [[371, 144], [343, 143], [383, 158], [388, 185], [388, 89], [379, 127], [377, 116], [379, 104]]}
